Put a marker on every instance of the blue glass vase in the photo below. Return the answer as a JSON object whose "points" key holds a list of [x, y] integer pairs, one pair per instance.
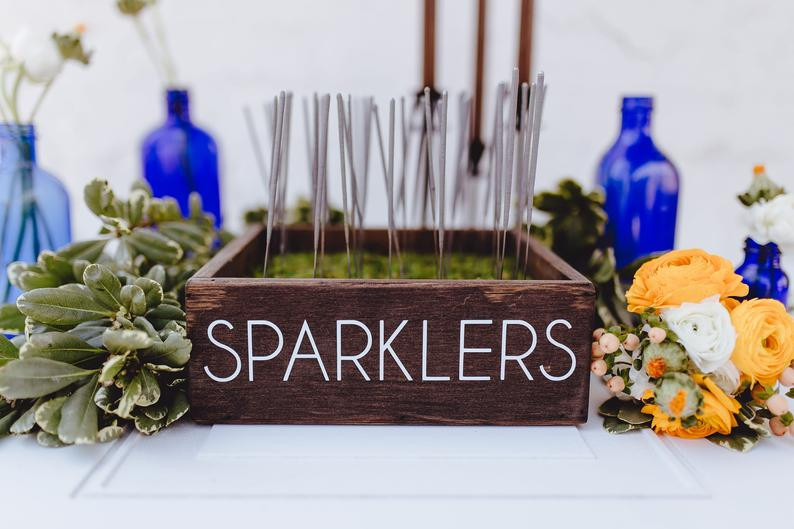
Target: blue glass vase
{"points": [[179, 158], [772, 281], [641, 187], [34, 205], [750, 266]]}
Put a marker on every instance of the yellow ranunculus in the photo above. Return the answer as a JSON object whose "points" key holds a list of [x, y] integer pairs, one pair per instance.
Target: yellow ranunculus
{"points": [[764, 339], [717, 416], [683, 276]]}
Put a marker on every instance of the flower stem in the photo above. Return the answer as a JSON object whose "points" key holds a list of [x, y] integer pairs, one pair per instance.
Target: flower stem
{"points": [[14, 103], [168, 59], [149, 47], [40, 99]]}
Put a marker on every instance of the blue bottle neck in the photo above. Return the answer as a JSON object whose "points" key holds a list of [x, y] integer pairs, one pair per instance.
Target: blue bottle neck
{"points": [[17, 142], [751, 248], [636, 123], [773, 255], [177, 105]]}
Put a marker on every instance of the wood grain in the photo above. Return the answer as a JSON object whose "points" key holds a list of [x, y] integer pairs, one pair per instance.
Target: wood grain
{"points": [[214, 293]]}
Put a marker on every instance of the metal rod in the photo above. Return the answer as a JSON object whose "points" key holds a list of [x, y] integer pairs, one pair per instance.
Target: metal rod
{"points": [[509, 154], [340, 107], [274, 170], [442, 171]]}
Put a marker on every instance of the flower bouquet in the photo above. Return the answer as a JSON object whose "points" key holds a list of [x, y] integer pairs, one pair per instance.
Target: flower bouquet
{"points": [[700, 364]]}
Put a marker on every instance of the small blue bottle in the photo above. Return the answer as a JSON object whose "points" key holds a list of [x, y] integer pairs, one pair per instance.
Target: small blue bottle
{"points": [[641, 187], [750, 266], [772, 281], [179, 158], [34, 205]]}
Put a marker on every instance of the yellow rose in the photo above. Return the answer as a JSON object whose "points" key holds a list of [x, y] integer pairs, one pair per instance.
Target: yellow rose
{"points": [[764, 339], [683, 276], [717, 416]]}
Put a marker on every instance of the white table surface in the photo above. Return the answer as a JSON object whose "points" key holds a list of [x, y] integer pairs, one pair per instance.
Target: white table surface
{"points": [[306, 476]]}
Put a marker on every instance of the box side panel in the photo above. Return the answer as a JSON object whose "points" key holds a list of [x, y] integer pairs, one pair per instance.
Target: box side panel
{"points": [[248, 320]]}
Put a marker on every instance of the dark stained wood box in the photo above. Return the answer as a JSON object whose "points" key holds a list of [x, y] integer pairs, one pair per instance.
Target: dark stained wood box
{"points": [[463, 343]]}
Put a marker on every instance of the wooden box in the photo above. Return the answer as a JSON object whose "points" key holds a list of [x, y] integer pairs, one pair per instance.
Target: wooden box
{"points": [[509, 352]]}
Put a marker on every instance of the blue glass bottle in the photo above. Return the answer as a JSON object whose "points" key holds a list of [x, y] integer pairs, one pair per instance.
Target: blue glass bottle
{"points": [[772, 281], [179, 158], [641, 187], [34, 205], [750, 266]]}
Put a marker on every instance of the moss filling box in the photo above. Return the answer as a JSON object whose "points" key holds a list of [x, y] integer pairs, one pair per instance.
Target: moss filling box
{"points": [[380, 351]]}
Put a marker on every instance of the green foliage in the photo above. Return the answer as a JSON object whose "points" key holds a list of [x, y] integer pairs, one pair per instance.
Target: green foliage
{"points": [[762, 189], [575, 231], [102, 345], [621, 416]]}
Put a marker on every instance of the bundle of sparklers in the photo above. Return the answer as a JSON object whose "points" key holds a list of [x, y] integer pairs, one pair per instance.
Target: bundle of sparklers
{"points": [[421, 136]]}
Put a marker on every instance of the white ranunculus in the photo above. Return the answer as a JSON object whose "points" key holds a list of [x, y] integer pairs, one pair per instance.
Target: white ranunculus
{"points": [[727, 377], [38, 54], [773, 221], [705, 331]]}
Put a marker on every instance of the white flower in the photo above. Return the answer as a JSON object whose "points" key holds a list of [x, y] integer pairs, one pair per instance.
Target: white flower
{"points": [[705, 331], [641, 383], [773, 221], [727, 377], [38, 54]]}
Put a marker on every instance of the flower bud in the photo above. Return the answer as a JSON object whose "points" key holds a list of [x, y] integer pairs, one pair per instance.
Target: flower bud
{"points": [[657, 334], [595, 350], [599, 368], [598, 333], [661, 358], [609, 343], [678, 396], [616, 384], [787, 377], [631, 342], [777, 426], [777, 404]]}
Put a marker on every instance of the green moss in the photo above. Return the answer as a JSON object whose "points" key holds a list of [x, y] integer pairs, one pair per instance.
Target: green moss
{"points": [[375, 266]]}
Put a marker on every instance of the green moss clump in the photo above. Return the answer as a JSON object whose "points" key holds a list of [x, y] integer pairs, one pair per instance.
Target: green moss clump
{"points": [[376, 266]]}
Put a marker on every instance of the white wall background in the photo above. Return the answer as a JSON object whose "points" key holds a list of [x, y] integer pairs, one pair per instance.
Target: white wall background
{"points": [[722, 73]]}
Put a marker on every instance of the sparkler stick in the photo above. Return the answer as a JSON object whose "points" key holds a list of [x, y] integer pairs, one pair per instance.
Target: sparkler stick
{"points": [[274, 170], [340, 106], [508, 167]]}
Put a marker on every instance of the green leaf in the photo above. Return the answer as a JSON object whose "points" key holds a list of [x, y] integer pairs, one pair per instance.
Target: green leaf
{"points": [[156, 411], [147, 425], [610, 408], [616, 426], [8, 351], [150, 389], [111, 368], [132, 392], [109, 433], [48, 415], [99, 197], [152, 290], [630, 413], [173, 352], [48, 440], [121, 341], [134, 299], [56, 265], [11, 320], [104, 285], [179, 407], [156, 247], [35, 377], [27, 420], [157, 273], [31, 280], [83, 250], [166, 311], [59, 346], [106, 397], [78, 423], [8, 416], [61, 306], [740, 439]]}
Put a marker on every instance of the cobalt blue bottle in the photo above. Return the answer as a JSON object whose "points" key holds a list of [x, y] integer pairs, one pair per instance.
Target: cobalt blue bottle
{"points": [[34, 205], [179, 158], [641, 187], [772, 281], [750, 266]]}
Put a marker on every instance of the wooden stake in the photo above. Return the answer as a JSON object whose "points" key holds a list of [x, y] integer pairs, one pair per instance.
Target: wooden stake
{"points": [[508, 167], [340, 107], [274, 170]]}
